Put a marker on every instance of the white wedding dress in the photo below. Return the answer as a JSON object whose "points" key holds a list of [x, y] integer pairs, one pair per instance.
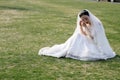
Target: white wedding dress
{"points": [[81, 47]]}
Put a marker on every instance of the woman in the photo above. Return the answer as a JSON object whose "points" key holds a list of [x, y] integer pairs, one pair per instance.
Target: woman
{"points": [[87, 43]]}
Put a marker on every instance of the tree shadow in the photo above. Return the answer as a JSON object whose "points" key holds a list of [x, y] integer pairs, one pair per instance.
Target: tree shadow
{"points": [[13, 8]]}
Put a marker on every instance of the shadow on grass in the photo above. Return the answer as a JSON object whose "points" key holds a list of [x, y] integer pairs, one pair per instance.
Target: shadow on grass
{"points": [[116, 58], [13, 8]]}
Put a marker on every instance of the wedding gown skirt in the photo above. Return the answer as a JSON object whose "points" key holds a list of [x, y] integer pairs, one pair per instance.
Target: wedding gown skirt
{"points": [[77, 47]]}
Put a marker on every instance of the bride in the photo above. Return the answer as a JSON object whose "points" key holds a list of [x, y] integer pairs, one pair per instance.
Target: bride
{"points": [[87, 43]]}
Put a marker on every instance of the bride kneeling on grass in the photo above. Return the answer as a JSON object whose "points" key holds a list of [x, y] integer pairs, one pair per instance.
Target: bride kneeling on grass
{"points": [[87, 43]]}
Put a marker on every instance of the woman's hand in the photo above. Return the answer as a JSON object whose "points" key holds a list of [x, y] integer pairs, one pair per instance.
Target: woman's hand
{"points": [[83, 24]]}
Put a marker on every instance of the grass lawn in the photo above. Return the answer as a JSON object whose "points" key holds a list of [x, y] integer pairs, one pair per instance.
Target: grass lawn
{"points": [[28, 25]]}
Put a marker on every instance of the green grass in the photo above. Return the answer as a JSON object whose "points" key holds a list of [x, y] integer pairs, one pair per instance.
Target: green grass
{"points": [[28, 25]]}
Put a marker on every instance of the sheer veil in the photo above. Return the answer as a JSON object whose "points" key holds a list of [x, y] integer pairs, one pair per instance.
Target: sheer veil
{"points": [[100, 37]]}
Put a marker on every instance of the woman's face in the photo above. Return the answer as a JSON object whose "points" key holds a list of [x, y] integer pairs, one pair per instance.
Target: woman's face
{"points": [[85, 19]]}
